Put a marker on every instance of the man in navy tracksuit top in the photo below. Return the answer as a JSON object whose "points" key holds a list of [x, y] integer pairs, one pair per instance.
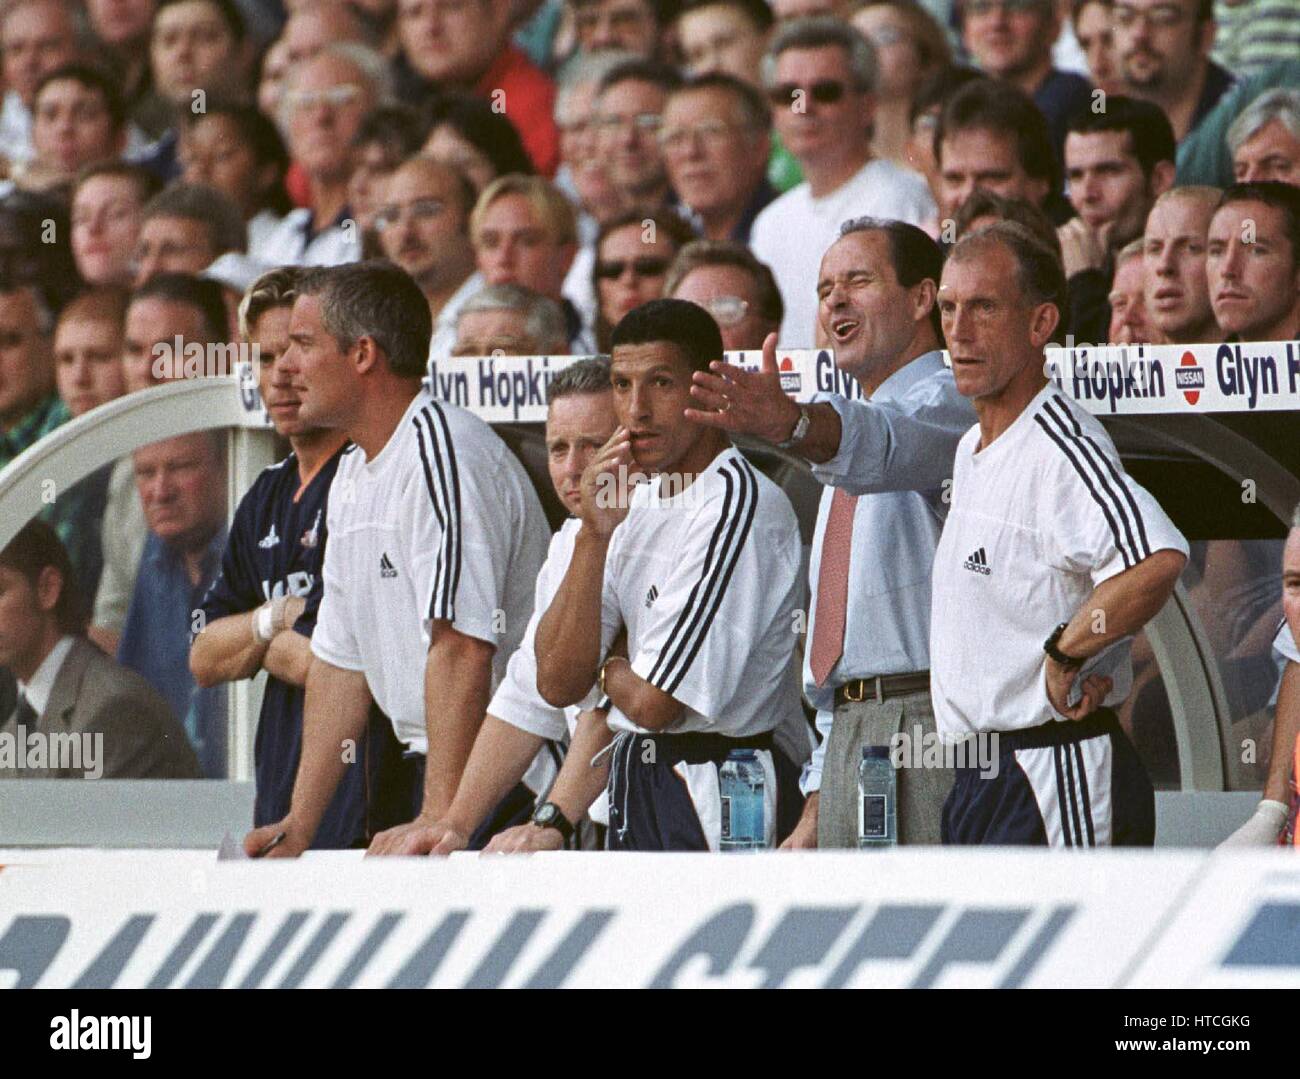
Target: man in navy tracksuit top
{"points": [[261, 609]]}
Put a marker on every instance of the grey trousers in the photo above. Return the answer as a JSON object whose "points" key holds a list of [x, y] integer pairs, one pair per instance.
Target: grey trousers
{"points": [[921, 791]]}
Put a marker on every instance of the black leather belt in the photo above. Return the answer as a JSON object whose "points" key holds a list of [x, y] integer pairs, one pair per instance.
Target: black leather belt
{"points": [[881, 687]]}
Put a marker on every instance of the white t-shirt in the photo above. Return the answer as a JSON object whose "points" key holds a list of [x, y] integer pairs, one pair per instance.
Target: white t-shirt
{"points": [[288, 243], [707, 582], [793, 232], [442, 524], [1038, 519], [517, 701]]}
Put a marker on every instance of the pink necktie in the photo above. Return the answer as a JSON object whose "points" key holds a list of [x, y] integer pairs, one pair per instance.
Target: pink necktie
{"points": [[833, 586]]}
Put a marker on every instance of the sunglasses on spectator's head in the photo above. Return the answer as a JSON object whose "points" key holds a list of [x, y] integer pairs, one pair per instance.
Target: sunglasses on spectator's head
{"points": [[642, 266], [823, 91]]}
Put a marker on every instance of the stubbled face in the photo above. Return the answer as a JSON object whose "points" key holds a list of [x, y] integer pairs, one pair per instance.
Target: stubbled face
{"points": [[577, 425], [1107, 185], [451, 40], [1008, 43], [270, 335], [182, 489], [88, 363], [35, 39], [482, 333], [1158, 42], [863, 310], [630, 271], [1252, 272], [651, 393], [25, 370], [715, 160], [106, 216], [151, 322], [192, 48], [71, 126], [980, 158], [1272, 153], [987, 323], [730, 295], [1129, 324], [514, 247], [1177, 292], [718, 37]]}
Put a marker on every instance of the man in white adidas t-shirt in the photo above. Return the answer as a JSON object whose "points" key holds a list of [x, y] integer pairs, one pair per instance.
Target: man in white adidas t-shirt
{"points": [[436, 537], [1050, 560], [519, 724], [686, 586], [1277, 804]]}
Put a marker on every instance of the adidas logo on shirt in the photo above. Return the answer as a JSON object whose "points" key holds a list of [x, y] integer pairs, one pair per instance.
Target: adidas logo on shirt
{"points": [[978, 562], [386, 567], [651, 596], [269, 540]]}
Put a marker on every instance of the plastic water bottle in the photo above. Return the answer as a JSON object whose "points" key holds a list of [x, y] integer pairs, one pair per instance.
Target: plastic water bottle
{"points": [[877, 794], [742, 781]]}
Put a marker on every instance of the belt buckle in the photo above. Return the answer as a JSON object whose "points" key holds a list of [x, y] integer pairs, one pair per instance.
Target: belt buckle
{"points": [[862, 691]]}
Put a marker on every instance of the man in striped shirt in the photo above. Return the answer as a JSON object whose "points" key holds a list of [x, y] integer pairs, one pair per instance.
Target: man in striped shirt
{"points": [[435, 539], [1051, 559], [680, 598]]}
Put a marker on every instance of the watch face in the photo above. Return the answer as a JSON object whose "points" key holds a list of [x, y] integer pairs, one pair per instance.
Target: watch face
{"points": [[545, 814]]}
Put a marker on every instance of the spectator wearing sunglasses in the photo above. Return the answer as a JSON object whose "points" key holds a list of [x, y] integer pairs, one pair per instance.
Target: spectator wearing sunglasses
{"points": [[731, 285], [715, 145], [524, 233], [820, 75], [629, 114], [1011, 40], [633, 253]]}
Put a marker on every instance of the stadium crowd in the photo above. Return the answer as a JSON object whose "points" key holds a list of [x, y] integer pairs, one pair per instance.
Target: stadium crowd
{"points": [[461, 656]]}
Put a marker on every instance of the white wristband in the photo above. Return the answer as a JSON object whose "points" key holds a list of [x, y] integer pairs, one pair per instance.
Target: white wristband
{"points": [[264, 623]]}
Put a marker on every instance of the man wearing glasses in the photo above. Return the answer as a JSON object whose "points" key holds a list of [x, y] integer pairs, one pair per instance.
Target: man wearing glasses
{"points": [[731, 285], [629, 113], [324, 106], [1164, 56], [715, 144], [820, 75], [423, 226]]}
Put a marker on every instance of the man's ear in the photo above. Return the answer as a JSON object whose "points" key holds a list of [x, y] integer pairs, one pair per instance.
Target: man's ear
{"points": [[1043, 323], [49, 587], [925, 294], [365, 355], [1162, 178]]}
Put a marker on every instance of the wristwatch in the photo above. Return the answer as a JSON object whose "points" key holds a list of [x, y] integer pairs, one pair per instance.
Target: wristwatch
{"points": [[549, 815], [1070, 663], [800, 431]]}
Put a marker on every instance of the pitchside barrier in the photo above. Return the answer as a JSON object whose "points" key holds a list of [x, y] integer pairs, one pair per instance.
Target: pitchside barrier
{"points": [[951, 918]]}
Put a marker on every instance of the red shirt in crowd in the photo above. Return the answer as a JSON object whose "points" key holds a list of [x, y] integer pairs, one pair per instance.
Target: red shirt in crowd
{"points": [[529, 103]]}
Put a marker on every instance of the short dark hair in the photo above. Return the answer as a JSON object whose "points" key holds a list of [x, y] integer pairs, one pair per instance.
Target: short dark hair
{"points": [[227, 9], [262, 137], [198, 202], [758, 113], [35, 547], [675, 322], [379, 300], [982, 203], [699, 253], [756, 11], [992, 105], [92, 78], [1038, 271], [147, 183], [200, 293], [651, 71], [913, 254], [1275, 193], [490, 132], [938, 87], [1151, 136], [399, 128]]}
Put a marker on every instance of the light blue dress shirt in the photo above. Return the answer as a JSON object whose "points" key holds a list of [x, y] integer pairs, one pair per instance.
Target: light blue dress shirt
{"points": [[896, 450]]}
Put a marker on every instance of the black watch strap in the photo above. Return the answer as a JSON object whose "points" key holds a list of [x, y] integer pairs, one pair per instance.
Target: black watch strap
{"points": [[1070, 663], [549, 815]]}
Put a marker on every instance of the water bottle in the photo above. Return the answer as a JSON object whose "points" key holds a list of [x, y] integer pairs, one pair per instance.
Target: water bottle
{"points": [[877, 794], [742, 781]]}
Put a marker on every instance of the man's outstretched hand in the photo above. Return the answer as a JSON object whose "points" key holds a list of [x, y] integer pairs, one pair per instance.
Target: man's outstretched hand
{"points": [[745, 402]]}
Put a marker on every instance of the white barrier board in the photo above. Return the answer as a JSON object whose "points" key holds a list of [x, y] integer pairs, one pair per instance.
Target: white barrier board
{"points": [[941, 918]]}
